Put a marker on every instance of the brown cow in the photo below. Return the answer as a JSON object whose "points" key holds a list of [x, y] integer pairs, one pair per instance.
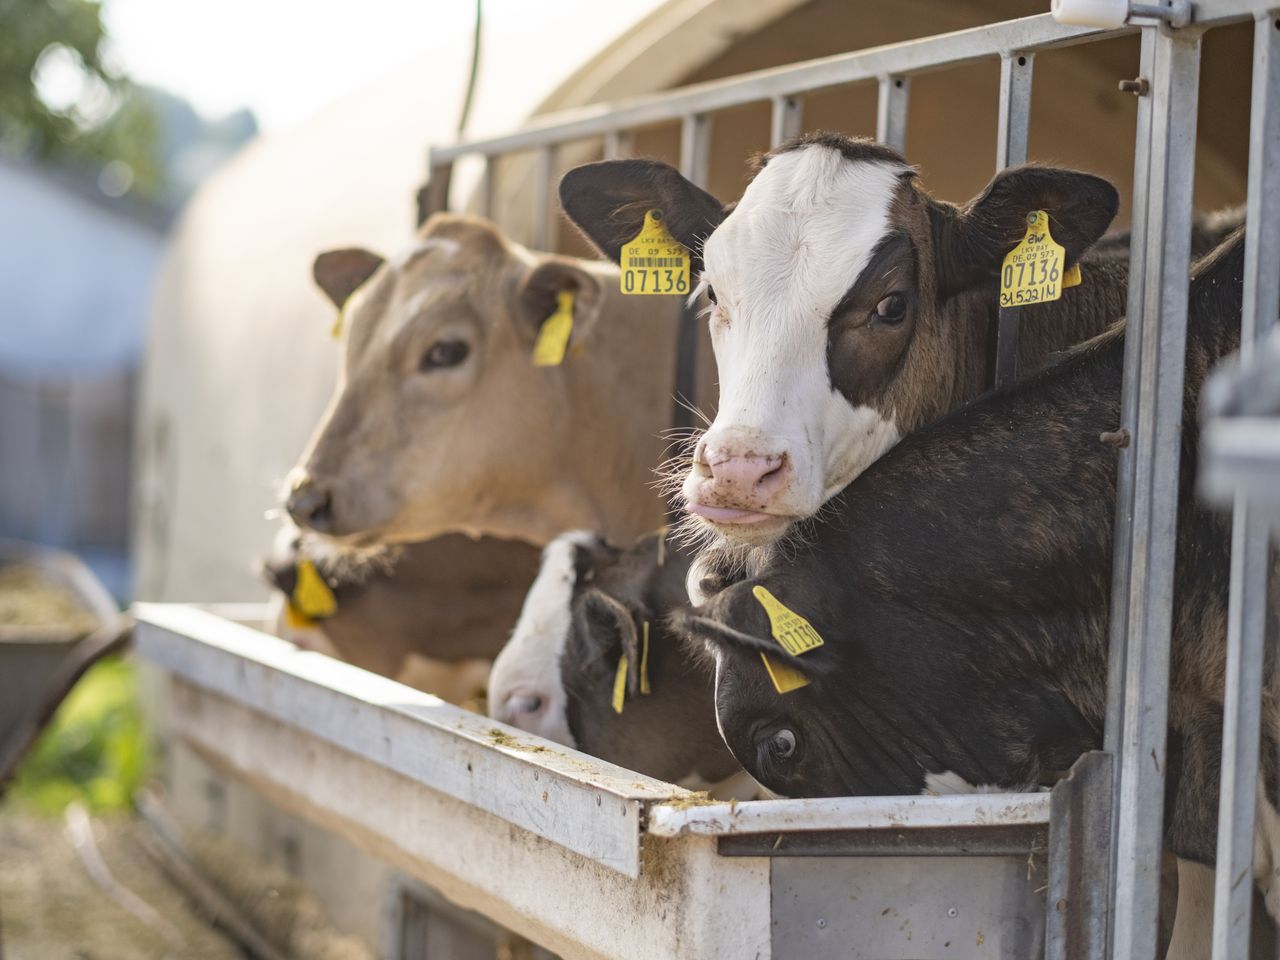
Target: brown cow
{"points": [[440, 421]]}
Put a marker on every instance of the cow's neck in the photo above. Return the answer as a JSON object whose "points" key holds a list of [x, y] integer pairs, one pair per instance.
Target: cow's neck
{"points": [[1080, 313]]}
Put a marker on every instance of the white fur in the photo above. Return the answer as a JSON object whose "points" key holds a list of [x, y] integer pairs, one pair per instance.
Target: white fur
{"points": [[801, 235], [410, 253], [949, 783], [530, 662]]}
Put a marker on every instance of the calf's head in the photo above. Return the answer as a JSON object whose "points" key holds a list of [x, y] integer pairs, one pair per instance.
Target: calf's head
{"points": [[591, 605], [836, 290], [437, 404]]}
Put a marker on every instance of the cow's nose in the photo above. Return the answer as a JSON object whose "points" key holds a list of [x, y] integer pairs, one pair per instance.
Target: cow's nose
{"points": [[754, 479], [311, 506], [522, 708]]}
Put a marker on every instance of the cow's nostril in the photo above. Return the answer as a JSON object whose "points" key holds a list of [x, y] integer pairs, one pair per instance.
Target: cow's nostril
{"points": [[311, 507]]}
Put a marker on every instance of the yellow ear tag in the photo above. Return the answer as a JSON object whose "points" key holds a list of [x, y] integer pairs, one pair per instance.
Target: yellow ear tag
{"points": [[295, 618], [785, 678], [1073, 277], [553, 338], [311, 595], [1033, 270], [644, 659], [620, 684], [793, 632], [654, 261], [335, 331]]}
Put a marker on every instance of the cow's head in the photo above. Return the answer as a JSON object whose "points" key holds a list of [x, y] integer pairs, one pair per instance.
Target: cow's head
{"points": [[834, 290], [591, 605], [436, 386]]}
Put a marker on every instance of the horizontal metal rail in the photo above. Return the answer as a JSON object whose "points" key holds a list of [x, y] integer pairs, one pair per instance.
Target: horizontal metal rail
{"points": [[898, 60]]}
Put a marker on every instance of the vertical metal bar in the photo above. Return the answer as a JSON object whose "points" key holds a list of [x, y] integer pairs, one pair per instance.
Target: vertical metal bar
{"points": [[484, 191], [437, 191], [544, 169], [1011, 149], [1129, 405], [618, 144], [695, 148], [785, 120], [1156, 436], [891, 112], [695, 164], [1247, 608]]}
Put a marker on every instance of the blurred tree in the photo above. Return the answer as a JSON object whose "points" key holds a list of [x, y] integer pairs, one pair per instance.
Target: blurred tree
{"points": [[61, 100]]}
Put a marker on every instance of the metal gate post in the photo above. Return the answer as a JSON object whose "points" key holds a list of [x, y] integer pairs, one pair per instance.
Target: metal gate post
{"points": [[891, 111], [1011, 150], [785, 119], [1247, 609], [695, 164], [1156, 431], [543, 171]]}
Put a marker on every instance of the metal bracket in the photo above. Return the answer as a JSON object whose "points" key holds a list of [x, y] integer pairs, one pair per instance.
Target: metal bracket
{"points": [[1079, 860]]}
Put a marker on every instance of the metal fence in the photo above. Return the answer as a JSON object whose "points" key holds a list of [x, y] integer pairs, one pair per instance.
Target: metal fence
{"points": [[1146, 515]]}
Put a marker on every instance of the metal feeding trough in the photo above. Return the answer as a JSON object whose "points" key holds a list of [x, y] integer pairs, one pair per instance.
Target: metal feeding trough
{"points": [[71, 623]]}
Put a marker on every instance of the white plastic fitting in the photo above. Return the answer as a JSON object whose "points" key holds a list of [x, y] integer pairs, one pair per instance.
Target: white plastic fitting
{"points": [[1091, 13]]}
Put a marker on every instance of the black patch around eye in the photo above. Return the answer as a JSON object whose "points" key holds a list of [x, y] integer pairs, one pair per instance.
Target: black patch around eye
{"points": [[888, 251]]}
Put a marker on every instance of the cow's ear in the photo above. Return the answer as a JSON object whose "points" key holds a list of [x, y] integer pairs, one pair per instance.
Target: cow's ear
{"points": [[972, 242], [340, 272], [539, 296], [607, 201], [734, 620], [612, 629]]}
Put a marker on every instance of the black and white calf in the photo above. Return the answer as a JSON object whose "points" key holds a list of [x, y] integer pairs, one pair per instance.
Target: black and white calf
{"points": [[591, 605], [961, 586], [848, 307]]}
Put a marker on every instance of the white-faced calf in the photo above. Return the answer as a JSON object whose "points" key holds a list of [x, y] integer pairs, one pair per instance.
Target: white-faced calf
{"points": [[440, 422], [848, 307], [962, 588], [591, 605]]}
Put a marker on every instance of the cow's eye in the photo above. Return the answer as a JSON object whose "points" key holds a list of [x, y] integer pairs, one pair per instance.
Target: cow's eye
{"points": [[711, 294], [782, 744], [443, 354], [892, 309]]}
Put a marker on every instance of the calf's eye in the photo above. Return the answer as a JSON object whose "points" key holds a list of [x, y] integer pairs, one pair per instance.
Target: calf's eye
{"points": [[892, 309], [782, 744], [444, 354]]}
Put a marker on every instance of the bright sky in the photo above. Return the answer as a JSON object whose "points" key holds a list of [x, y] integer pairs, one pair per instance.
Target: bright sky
{"points": [[286, 58]]}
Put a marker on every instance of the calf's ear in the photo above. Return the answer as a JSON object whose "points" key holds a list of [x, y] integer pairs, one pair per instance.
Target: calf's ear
{"points": [[613, 632], [972, 242], [607, 201], [340, 272], [539, 291]]}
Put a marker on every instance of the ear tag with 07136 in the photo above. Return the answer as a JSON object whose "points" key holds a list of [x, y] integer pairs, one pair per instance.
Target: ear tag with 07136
{"points": [[653, 261]]}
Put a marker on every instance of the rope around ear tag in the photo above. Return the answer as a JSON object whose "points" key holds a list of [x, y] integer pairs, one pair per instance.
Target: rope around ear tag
{"points": [[553, 338], [311, 595], [644, 659], [793, 632], [620, 685], [785, 678], [1032, 271]]}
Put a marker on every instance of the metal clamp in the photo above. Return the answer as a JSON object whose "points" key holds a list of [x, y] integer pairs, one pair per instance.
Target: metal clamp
{"points": [[1109, 14]]}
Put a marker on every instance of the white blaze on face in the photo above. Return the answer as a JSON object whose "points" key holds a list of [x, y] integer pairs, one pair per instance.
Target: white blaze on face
{"points": [[779, 264], [525, 689]]}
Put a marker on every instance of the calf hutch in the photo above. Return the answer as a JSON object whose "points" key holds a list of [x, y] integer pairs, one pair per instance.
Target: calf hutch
{"points": [[428, 830]]}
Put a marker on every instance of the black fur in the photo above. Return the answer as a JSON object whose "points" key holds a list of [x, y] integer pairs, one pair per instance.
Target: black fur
{"points": [[962, 586]]}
